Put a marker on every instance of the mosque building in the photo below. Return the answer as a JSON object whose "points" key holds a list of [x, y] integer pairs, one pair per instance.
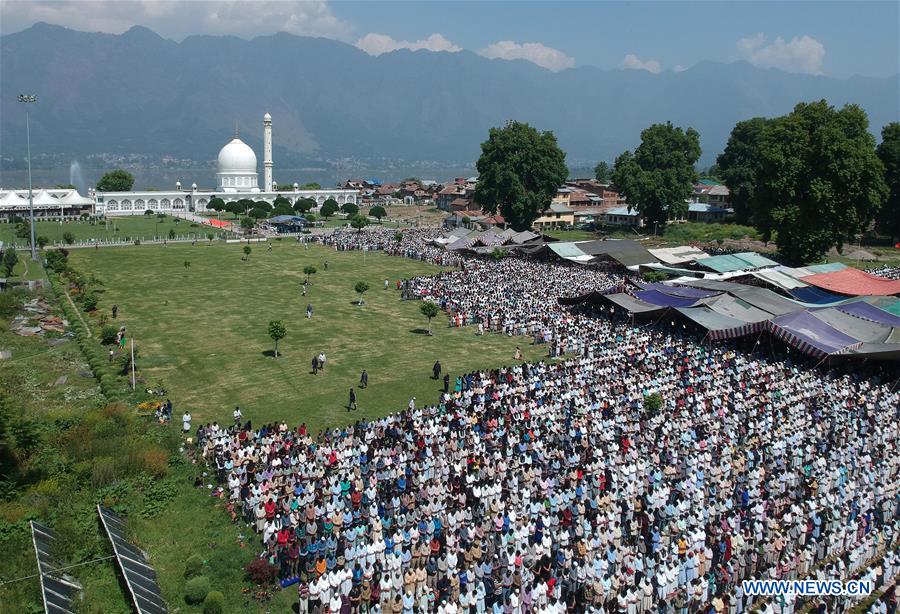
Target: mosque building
{"points": [[237, 178]]}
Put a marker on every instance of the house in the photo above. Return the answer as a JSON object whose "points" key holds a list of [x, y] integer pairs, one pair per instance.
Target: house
{"points": [[712, 192], [452, 192], [608, 195], [556, 216], [623, 216], [705, 212]]}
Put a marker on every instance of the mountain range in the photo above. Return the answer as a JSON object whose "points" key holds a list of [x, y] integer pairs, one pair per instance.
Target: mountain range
{"points": [[140, 93]]}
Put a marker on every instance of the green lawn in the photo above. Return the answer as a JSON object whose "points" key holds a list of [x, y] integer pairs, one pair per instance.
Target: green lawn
{"points": [[134, 227], [202, 331]]}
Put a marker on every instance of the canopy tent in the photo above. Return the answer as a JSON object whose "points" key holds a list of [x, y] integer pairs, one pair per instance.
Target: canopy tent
{"points": [[633, 305], [852, 326], [779, 279], [767, 300], [709, 284], [736, 308], [854, 282], [678, 255], [623, 251], [44, 199], [13, 200], [655, 297], [862, 309], [811, 335], [74, 199], [887, 303], [569, 251], [683, 291], [873, 351], [736, 262], [653, 266], [815, 296], [718, 325]]}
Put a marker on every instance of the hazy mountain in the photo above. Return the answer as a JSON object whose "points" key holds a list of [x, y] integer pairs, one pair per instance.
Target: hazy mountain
{"points": [[140, 93]]}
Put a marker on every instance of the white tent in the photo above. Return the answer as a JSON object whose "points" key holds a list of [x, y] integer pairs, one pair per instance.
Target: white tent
{"points": [[11, 200], [44, 199], [74, 199]]}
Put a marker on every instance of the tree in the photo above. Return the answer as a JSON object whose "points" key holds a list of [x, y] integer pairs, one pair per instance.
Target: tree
{"points": [[210, 236], [247, 223], [23, 230], [10, 259], [889, 154], [361, 288], [819, 181], [350, 209], [216, 204], [602, 172], [258, 213], [187, 264], [280, 200], [430, 311], [171, 233], [283, 209], [378, 212], [277, 331], [653, 403], [359, 222], [304, 204], [247, 251], [309, 270], [311, 186], [659, 176], [310, 217], [116, 180], [738, 165], [519, 172], [331, 204], [329, 208], [234, 208], [42, 242]]}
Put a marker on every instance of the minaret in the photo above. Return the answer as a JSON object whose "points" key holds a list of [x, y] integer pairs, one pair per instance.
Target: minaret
{"points": [[267, 152]]}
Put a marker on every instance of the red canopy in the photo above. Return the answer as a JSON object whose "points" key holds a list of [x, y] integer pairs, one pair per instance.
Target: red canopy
{"points": [[854, 282]]}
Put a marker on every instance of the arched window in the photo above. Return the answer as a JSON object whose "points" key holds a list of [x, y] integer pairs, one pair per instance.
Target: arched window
{"points": [[139, 204], [178, 203], [202, 203], [152, 203], [112, 205], [165, 203], [126, 205]]}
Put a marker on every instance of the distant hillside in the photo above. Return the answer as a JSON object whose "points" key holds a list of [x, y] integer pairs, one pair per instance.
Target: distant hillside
{"points": [[140, 93]]}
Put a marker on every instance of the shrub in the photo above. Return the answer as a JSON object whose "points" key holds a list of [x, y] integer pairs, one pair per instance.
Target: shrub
{"points": [[654, 276], [89, 302], [653, 402], [108, 334], [42, 242], [156, 462], [105, 471], [68, 237], [214, 603], [196, 589], [193, 566], [260, 572]]}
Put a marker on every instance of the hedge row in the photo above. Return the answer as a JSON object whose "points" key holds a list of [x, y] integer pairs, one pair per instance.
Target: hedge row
{"points": [[110, 385]]}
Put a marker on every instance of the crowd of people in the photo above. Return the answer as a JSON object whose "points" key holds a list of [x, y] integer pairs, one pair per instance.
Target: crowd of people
{"points": [[640, 472], [886, 271]]}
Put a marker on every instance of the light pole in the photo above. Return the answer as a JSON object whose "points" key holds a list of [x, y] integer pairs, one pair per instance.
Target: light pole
{"points": [[27, 98]]}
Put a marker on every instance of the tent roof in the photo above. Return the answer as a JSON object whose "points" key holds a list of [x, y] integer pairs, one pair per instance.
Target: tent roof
{"points": [[811, 335], [74, 198], [13, 198], [859, 329], [711, 284], [767, 300], [719, 326], [861, 309], [631, 304], [44, 199], [736, 262], [678, 255], [683, 291], [566, 250], [287, 219], [737, 308], [655, 297], [780, 279], [854, 283], [875, 351], [755, 259], [815, 296]]}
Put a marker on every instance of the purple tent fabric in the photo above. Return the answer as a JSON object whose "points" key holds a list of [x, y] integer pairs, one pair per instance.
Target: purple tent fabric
{"points": [[815, 296], [681, 291], [811, 335], [655, 297], [866, 311]]}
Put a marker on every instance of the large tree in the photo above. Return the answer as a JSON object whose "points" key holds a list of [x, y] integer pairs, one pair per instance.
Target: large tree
{"points": [[889, 154], [519, 172], [739, 163], [659, 176], [328, 208], [216, 204], [819, 181], [602, 172], [117, 180]]}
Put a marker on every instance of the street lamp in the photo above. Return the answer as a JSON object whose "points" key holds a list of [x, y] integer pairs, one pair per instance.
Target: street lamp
{"points": [[29, 98]]}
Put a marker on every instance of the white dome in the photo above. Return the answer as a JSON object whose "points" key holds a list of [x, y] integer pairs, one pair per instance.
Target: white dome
{"points": [[237, 157]]}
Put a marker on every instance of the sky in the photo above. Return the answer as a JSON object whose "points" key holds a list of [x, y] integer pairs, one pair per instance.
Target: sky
{"points": [[833, 38]]}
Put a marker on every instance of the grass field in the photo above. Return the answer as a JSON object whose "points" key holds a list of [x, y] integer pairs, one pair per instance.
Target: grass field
{"points": [[202, 331], [134, 227]]}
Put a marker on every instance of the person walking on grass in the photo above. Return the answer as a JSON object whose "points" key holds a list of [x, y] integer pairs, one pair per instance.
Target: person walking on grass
{"points": [[186, 422], [309, 306], [315, 365], [518, 355], [436, 369], [352, 403], [364, 379], [447, 383]]}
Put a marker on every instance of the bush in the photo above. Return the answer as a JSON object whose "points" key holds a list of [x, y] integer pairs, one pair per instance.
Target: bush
{"points": [[260, 572], [89, 302], [108, 334], [214, 603], [156, 462], [105, 471], [196, 589], [654, 276], [68, 237], [653, 402], [193, 566]]}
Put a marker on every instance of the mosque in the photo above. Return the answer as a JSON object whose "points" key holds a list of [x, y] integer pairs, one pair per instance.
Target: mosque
{"points": [[236, 178]]}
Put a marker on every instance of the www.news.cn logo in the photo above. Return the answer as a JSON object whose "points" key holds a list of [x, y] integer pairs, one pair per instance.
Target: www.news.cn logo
{"points": [[807, 588]]}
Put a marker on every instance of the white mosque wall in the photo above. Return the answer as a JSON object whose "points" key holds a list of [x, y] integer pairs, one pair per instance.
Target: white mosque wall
{"points": [[114, 204]]}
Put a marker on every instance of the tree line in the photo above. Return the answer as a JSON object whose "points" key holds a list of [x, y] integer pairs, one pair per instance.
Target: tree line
{"points": [[810, 180]]}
